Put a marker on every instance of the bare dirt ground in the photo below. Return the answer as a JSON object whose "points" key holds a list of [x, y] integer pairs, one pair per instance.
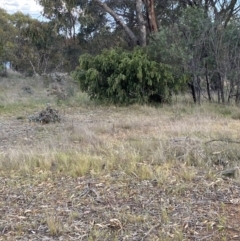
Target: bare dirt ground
{"points": [[155, 179]]}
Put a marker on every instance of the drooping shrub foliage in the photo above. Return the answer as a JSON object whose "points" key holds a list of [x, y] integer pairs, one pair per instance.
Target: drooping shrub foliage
{"points": [[124, 77]]}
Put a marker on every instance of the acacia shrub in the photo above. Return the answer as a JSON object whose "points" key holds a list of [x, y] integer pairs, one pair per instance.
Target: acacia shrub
{"points": [[124, 77]]}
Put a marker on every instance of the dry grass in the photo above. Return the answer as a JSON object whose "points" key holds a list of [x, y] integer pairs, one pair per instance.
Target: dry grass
{"points": [[117, 173]]}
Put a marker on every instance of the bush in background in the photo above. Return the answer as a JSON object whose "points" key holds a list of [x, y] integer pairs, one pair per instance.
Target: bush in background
{"points": [[124, 77]]}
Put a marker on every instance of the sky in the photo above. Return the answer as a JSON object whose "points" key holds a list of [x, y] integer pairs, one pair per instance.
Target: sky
{"points": [[25, 6]]}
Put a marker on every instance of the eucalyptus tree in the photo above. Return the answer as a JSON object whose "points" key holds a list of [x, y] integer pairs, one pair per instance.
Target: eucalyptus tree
{"points": [[198, 40], [135, 17], [225, 46], [29, 46], [44, 54], [7, 35]]}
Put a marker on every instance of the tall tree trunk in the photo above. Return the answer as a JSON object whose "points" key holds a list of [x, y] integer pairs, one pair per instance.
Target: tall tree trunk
{"points": [[208, 84], [151, 16], [237, 99], [118, 20], [221, 87], [231, 91], [193, 91], [141, 23], [198, 89]]}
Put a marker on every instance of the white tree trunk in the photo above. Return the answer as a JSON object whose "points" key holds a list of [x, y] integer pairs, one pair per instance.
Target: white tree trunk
{"points": [[141, 23]]}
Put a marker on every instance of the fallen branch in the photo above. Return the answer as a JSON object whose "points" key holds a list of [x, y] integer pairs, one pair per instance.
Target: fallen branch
{"points": [[150, 230], [88, 191], [233, 172], [34, 71], [223, 140]]}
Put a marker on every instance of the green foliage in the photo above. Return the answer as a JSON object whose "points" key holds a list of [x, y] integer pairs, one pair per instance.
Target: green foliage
{"points": [[6, 37], [124, 77], [168, 47], [30, 46], [178, 44], [193, 47]]}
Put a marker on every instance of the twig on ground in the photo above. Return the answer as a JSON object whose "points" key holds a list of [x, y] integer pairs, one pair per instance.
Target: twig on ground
{"points": [[88, 191], [223, 140], [233, 172], [150, 230]]}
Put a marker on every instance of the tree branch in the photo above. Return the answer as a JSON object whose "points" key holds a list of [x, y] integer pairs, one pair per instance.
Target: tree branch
{"points": [[223, 140], [118, 20]]}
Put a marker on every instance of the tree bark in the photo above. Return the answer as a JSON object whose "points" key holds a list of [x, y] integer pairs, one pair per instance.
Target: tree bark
{"points": [[193, 92], [151, 16], [141, 23], [221, 88], [118, 20], [208, 84], [237, 99]]}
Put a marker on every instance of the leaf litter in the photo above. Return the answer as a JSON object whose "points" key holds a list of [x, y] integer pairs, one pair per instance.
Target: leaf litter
{"points": [[49, 205], [129, 209]]}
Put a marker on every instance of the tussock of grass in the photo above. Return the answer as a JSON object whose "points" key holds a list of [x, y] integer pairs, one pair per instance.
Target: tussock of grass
{"points": [[54, 226]]}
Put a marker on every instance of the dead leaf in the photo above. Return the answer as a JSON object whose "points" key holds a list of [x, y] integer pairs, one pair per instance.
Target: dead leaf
{"points": [[115, 224], [27, 211]]}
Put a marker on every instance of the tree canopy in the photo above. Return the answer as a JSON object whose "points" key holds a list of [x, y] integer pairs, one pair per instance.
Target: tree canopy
{"points": [[197, 39]]}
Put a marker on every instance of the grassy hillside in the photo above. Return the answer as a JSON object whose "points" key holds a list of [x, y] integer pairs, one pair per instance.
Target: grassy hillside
{"points": [[115, 173]]}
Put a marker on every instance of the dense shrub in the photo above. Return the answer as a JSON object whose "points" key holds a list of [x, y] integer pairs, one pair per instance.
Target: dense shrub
{"points": [[123, 77]]}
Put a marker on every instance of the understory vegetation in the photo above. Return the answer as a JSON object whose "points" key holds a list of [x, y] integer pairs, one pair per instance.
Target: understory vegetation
{"points": [[122, 77], [128, 52], [120, 120], [108, 172]]}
